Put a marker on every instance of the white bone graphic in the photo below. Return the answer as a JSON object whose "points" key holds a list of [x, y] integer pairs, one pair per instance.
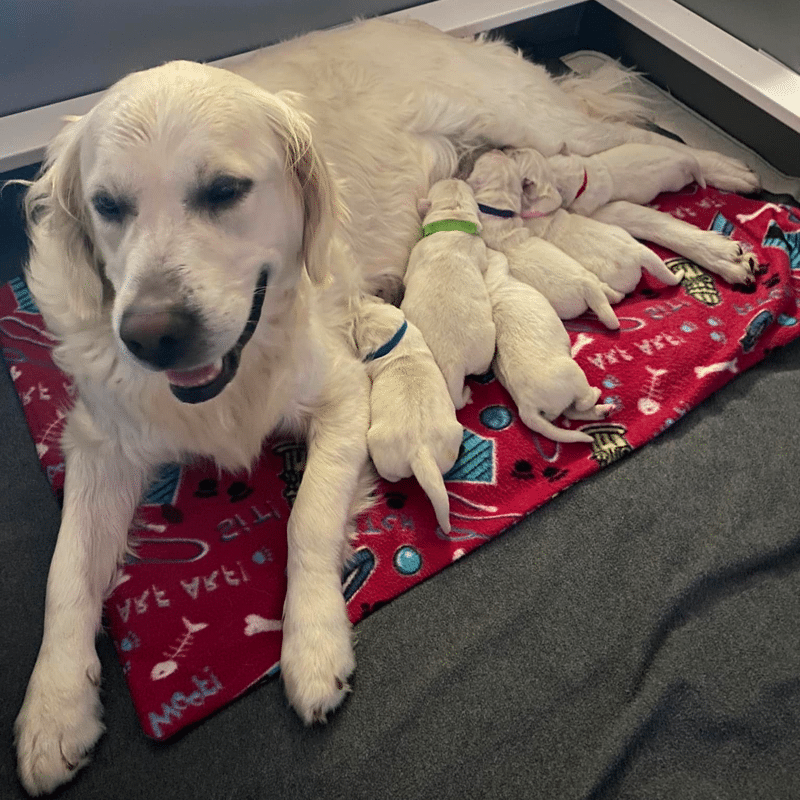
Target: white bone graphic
{"points": [[256, 624], [581, 340], [731, 366]]}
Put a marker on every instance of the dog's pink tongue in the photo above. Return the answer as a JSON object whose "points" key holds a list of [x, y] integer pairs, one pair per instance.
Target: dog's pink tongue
{"points": [[193, 377]]}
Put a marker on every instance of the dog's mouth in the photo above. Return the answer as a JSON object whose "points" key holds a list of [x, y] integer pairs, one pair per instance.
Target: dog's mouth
{"points": [[204, 383]]}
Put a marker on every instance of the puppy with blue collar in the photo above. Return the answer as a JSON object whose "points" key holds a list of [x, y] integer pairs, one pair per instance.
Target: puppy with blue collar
{"points": [[413, 428], [446, 295], [568, 286]]}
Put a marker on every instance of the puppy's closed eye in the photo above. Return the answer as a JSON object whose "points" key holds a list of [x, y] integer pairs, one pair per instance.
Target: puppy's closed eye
{"points": [[221, 192]]}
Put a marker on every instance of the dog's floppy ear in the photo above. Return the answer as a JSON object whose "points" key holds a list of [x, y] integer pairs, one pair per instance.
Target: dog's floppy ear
{"points": [[322, 209], [538, 185], [423, 206], [63, 271]]}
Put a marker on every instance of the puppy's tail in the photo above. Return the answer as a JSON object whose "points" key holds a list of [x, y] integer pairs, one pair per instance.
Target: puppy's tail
{"points": [[658, 269], [608, 93], [598, 302], [423, 465], [539, 424]]}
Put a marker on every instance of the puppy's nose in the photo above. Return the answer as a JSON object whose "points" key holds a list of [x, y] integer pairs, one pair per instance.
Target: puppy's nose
{"points": [[160, 337]]}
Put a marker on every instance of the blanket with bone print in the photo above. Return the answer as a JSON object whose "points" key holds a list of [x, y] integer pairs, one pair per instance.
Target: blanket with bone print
{"points": [[195, 613]]}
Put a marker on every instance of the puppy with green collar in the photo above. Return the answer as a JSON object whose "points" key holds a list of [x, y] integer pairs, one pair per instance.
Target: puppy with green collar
{"points": [[446, 295]]}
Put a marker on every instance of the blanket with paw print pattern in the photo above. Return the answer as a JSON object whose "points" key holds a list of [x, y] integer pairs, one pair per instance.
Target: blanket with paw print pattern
{"points": [[195, 613]]}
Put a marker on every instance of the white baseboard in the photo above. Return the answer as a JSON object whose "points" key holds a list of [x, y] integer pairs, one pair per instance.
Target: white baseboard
{"points": [[754, 75]]}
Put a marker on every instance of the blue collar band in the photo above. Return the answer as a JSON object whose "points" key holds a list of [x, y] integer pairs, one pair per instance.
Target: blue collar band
{"points": [[390, 345], [506, 213]]}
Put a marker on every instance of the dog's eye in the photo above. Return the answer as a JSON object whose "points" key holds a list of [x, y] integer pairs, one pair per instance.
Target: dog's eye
{"points": [[224, 192], [108, 208]]}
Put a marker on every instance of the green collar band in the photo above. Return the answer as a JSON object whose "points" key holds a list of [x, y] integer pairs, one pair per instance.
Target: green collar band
{"points": [[450, 225]]}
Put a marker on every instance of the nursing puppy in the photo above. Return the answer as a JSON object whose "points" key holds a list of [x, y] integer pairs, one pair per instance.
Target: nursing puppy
{"points": [[570, 289], [188, 195], [413, 428], [446, 295], [608, 251], [533, 358], [634, 172]]}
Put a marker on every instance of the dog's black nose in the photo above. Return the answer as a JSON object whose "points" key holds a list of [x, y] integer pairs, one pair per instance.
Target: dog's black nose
{"points": [[160, 337]]}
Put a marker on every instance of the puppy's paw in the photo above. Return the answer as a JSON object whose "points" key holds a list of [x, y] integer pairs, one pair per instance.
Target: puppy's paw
{"points": [[727, 173], [728, 260], [317, 659], [58, 724]]}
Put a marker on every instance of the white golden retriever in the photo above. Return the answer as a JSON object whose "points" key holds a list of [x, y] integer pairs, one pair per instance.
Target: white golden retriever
{"points": [[194, 209], [446, 295], [569, 287], [533, 358], [413, 428], [634, 172]]}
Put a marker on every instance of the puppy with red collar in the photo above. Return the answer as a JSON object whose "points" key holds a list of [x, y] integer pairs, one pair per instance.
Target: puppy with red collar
{"points": [[634, 172]]}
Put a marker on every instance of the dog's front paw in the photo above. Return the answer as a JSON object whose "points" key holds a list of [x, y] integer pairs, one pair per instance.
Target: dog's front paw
{"points": [[727, 173], [317, 659], [58, 724]]}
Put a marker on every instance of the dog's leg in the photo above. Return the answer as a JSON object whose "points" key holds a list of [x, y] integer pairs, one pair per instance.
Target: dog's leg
{"points": [[709, 249], [60, 717], [317, 652], [590, 136]]}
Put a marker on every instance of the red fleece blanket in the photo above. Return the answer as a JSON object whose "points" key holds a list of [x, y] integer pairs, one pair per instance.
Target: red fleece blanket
{"points": [[196, 614]]}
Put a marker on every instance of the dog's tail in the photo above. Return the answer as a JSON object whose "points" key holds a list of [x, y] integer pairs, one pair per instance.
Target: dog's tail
{"points": [[658, 269], [423, 465], [608, 93], [539, 424], [598, 301]]}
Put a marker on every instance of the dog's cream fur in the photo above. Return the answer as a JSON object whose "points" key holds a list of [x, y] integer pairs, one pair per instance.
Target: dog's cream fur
{"points": [[634, 172], [533, 358], [570, 288], [608, 251], [413, 428], [374, 139], [618, 202], [446, 294], [709, 249]]}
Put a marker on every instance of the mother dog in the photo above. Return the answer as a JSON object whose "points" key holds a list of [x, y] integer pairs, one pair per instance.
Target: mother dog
{"points": [[200, 241]]}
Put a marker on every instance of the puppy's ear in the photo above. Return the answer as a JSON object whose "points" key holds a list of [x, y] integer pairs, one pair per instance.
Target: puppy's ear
{"points": [[322, 209], [423, 206], [64, 272]]}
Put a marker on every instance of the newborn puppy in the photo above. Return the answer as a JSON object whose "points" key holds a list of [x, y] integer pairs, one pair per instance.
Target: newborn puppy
{"points": [[413, 426], [533, 358], [445, 294], [608, 251], [570, 289], [634, 172]]}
